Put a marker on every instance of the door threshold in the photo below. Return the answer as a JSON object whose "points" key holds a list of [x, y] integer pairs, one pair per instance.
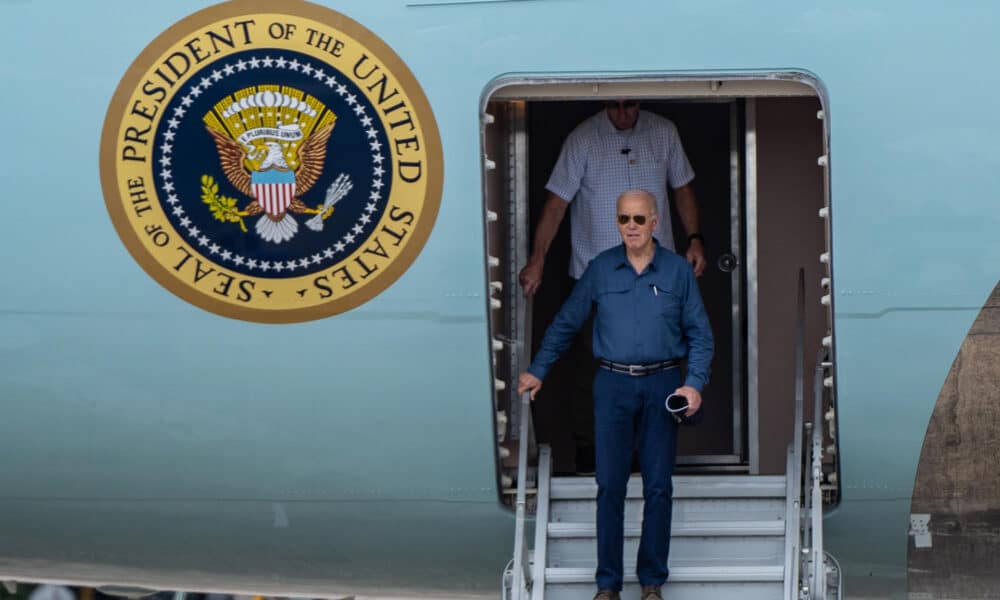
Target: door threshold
{"points": [[680, 469], [683, 469], [709, 459], [711, 463]]}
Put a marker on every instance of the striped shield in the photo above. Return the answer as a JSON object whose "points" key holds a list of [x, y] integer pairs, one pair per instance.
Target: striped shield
{"points": [[273, 190]]}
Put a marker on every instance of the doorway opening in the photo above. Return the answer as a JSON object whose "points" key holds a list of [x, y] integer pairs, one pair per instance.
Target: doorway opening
{"points": [[758, 146]]}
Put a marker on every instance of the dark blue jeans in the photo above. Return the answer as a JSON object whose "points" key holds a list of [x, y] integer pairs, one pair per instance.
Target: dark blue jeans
{"points": [[629, 412]]}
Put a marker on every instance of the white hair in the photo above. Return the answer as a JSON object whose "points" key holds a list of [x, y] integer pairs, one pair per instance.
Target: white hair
{"points": [[650, 199]]}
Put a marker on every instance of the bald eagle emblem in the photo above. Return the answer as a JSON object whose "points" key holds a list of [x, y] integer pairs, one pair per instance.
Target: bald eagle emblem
{"points": [[272, 143]]}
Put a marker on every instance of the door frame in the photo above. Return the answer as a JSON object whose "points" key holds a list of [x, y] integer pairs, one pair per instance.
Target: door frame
{"points": [[707, 86]]}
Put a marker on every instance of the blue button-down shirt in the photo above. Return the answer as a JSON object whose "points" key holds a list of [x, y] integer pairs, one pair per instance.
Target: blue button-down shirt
{"points": [[641, 318]]}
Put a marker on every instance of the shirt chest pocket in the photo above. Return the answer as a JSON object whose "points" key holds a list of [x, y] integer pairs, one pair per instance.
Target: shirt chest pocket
{"points": [[648, 159], [613, 295], [664, 302], [614, 301]]}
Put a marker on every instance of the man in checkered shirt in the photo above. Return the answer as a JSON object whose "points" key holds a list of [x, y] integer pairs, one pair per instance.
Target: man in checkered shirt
{"points": [[618, 149]]}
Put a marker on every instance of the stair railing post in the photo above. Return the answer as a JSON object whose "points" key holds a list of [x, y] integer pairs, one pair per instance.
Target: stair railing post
{"points": [[543, 483], [793, 470], [522, 573], [816, 471], [791, 526]]}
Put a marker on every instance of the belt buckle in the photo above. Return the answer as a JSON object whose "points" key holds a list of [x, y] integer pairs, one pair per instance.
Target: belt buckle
{"points": [[631, 370]]}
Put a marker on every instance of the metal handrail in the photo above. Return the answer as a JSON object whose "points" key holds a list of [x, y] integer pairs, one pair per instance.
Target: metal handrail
{"points": [[793, 468], [807, 533], [542, 483], [521, 583], [805, 559], [809, 572], [817, 554], [791, 526]]}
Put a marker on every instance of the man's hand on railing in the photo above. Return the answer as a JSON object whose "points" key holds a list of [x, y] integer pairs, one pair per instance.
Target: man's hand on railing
{"points": [[528, 383]]}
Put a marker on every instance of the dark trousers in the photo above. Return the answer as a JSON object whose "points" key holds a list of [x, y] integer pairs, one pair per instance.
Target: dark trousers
{"points": [[629, 412]]}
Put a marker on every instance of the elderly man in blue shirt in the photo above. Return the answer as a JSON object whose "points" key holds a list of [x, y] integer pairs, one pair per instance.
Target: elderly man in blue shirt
{"points": [[649, 316]]}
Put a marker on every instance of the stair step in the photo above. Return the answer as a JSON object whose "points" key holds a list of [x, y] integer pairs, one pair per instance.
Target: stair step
{"points": [[674, 590], [678, 574], [703, 529], [685, 510], [754, 544], [685, 486], [687, 551]]}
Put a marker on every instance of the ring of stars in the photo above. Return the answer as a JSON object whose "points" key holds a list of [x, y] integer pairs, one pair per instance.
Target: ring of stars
{"points": [[196, 236]]}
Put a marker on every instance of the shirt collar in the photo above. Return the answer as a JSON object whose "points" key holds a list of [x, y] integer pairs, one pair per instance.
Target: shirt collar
{"points": [[622, 258], [658, 256]]}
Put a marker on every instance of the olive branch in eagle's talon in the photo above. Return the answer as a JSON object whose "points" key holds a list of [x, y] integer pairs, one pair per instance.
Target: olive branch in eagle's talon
{"points": [[223, 207]]}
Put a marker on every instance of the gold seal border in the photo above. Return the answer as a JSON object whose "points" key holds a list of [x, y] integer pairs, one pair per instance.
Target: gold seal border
{"points": [[299, 8]]}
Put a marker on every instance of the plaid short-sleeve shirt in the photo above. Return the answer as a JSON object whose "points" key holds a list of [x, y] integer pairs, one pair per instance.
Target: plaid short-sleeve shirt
{"points": [[598, 162]]}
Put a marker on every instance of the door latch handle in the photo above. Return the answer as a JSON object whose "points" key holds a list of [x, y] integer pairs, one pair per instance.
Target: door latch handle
{"points": [[727, 263]]}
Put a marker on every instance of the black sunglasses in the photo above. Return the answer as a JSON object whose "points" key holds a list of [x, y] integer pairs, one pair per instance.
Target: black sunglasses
{"points": [[621, 103], [639, 219]]}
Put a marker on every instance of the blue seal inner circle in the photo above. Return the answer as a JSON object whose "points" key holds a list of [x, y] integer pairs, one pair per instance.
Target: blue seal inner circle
{"points": [[357, 152]]}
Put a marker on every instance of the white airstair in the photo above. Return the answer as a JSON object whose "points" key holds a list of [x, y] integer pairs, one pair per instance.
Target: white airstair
{"points": [[728, 538], [733, 536]]}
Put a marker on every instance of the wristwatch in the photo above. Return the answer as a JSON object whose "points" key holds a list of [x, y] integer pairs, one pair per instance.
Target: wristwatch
{"points": [[696, 236]]}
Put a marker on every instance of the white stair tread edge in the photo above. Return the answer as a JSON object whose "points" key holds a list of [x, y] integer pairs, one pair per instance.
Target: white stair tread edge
{"points": [[687, 510], [556, 575], [713, 528], [746, 486]]}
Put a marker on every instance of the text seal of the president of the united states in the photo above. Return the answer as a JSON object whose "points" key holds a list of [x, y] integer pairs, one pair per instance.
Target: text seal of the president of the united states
{"points": [[273, 162]]}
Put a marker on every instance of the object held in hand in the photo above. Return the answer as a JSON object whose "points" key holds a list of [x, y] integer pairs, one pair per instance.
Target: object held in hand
{"points": [[677, 405]]}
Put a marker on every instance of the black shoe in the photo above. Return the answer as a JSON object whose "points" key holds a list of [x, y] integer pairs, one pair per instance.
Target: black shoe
{"points": [[650, 592], [585, 460]]}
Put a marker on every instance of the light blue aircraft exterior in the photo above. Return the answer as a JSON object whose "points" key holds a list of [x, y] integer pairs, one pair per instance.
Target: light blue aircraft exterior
{"points": [[146, 441]]}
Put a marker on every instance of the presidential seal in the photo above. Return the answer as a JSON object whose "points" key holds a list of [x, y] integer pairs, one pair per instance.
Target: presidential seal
{"points": [[271, 164]]}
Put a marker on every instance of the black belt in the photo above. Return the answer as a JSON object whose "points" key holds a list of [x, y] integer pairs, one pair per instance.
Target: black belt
{"points": [[639, 370]]}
